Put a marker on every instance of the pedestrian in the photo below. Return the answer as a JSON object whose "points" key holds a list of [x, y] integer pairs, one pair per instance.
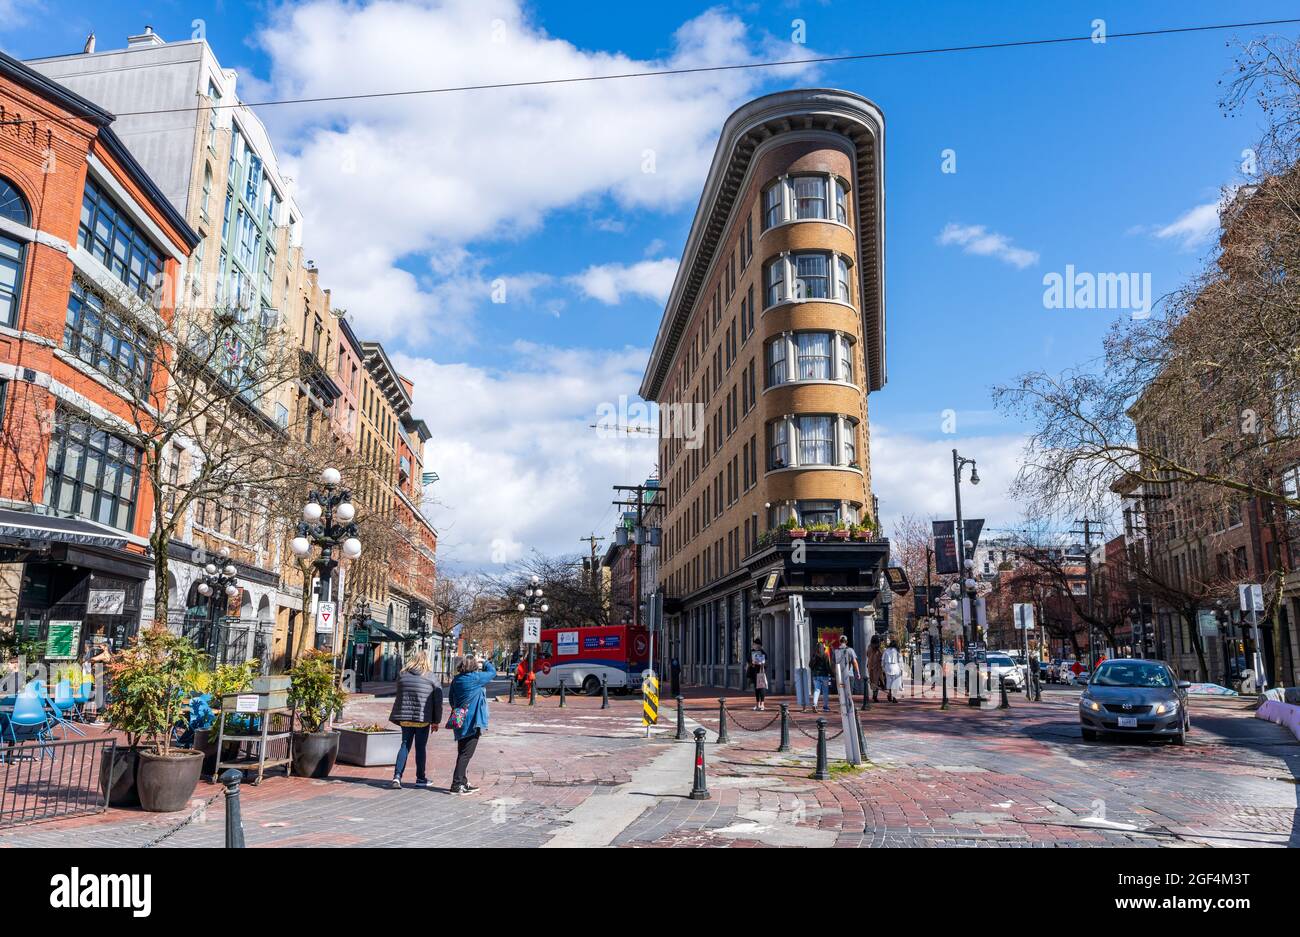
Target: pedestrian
{"points": [[1034, 667], [467, 700], [417, 708], [892, 665], [875, 667], [821, 674], [846, 664], [521, 675], [758, 667]]}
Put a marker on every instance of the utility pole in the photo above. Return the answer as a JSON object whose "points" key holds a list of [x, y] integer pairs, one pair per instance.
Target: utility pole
{"points": [[595, 570], [1087, 566]]}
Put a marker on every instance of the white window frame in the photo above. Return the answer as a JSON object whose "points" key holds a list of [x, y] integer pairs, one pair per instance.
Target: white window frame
{"points": [[780, 271]]}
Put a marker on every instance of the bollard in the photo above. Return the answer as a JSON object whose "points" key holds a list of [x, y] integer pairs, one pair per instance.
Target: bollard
{"points": [[785, 728], [699, 787], [723, 737], [823, 772], [862, 738], [604, 693], [234, 822], [511, 700], [532, 691], [562, 692], [681, 721], [1004, 703]]}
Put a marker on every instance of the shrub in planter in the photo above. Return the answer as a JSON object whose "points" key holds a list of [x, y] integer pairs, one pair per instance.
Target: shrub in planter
{"points": [[152, 680], [316, 696], [369, 745]]}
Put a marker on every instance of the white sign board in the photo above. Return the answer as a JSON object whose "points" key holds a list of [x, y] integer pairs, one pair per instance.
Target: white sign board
{"points": [[1252, 597], [246, 703], [1024, 613], [105, 602], [324, 617], [566, 643], [532, 630]]}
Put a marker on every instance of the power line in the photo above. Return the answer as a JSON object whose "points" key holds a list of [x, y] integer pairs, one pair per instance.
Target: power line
{"points": [[812, 60]]}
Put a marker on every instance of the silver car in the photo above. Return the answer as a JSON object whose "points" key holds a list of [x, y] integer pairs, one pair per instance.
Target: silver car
{"points": [[1135, 697]]}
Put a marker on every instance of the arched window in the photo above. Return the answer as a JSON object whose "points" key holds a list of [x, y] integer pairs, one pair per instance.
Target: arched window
{"points": [[12, 204], [13, 207]]}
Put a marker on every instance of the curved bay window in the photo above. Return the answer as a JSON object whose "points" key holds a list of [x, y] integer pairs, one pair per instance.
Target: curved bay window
{"points": [[812, 440], [13, 207], [807, 275], [810, 513], [809, 356], [806, 197]]}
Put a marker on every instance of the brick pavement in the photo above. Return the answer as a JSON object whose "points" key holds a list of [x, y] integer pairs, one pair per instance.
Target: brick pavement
{"points": [[1017, 778]]}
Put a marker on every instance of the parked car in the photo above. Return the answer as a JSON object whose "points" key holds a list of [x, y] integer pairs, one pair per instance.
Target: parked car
{"points": [[1135, 697], [1005, 669]]}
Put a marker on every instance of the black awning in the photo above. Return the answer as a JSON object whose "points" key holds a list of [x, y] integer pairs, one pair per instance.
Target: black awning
{"points": [[380, 632], [32, 527]]}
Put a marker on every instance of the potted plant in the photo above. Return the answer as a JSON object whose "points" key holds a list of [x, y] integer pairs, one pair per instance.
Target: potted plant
{"points": [[840, 531], [861, 532], [152, 680], [819, 531], [316, 696], [369, 745]]}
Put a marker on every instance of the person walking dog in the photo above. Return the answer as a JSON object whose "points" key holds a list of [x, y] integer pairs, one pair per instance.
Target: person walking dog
{"points": [[467, 700], [417, 708]]}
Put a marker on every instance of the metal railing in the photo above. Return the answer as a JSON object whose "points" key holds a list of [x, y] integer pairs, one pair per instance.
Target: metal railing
{"points": [[49, 780]]}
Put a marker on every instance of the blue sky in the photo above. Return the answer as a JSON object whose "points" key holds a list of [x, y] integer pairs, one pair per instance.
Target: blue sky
{"points": [[1107, 157]]}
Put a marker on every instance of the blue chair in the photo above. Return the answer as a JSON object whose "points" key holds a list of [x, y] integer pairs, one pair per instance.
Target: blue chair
{"points": [[81, 699], [29, 721], [63, 703]]}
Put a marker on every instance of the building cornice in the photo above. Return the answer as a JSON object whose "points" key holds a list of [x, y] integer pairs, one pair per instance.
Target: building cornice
{"points": [[757, 124]]}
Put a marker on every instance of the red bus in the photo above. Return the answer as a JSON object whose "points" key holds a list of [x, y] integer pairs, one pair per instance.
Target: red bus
{"points": [[582, 655]]}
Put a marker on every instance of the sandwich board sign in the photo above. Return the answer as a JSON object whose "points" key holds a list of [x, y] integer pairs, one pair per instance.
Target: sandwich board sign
{"points": [[324, 617]]}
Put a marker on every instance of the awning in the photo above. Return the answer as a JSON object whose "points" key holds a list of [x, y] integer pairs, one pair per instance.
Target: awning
{"points": [[380, 633], [29, 526]]}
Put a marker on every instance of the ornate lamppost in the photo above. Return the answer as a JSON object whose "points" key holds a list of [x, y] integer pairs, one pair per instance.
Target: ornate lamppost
{"points": [[532, 603], [217, 581], [327, 523]]}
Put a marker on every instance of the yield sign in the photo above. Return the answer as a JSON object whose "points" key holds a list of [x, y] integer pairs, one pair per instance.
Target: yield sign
{"points": [[325, 618]]}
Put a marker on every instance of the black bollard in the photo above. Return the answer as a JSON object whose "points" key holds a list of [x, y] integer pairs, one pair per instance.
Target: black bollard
{"points": [[681, 721], [723, 737], [785, 728], [532, 692], [699, 787], [562, 692], [604, 693], [234, 822], [823, 772], [862, 737], [511, 700], [1004, 703]]}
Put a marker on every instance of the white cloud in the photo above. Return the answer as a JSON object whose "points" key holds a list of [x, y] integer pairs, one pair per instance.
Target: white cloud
{"points": [[520, 467], [609, 283], [1193, 227], [387, 179], [976, 239], [913, 475]]}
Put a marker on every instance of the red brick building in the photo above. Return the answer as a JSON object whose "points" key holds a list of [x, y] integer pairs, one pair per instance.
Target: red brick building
{"points": [[84, 232]]}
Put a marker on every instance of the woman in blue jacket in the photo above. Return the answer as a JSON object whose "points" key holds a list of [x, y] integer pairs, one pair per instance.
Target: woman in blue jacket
{"points": [[469, 715]]}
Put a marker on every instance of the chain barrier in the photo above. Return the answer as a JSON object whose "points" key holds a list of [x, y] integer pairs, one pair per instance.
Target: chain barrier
{"points": [[732, 720], [813, 735]]}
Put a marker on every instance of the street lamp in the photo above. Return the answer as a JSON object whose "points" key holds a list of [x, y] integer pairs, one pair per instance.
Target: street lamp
{"points": [[328, 523], [533, 602], [217, 580], [963, 545]]}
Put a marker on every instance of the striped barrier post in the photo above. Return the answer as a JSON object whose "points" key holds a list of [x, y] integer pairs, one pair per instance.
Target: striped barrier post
{"points": [[649, 701]]}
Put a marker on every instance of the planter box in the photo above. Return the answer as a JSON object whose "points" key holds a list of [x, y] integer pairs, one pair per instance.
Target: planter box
{"points": [[269, 684], [369, 749], [265, 701]]}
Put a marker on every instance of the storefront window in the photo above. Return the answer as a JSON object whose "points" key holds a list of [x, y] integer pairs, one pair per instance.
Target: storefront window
{"points": [[90, 474]]}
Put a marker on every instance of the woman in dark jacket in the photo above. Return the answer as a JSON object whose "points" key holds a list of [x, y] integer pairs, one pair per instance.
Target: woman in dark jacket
{"points": [[417, 708]]}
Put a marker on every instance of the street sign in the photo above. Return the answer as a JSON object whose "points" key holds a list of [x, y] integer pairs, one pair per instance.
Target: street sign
{"points": [[1252, 596], [1024, 614], [896, 576], [532, 630], [649, 699], [324, 617]]}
